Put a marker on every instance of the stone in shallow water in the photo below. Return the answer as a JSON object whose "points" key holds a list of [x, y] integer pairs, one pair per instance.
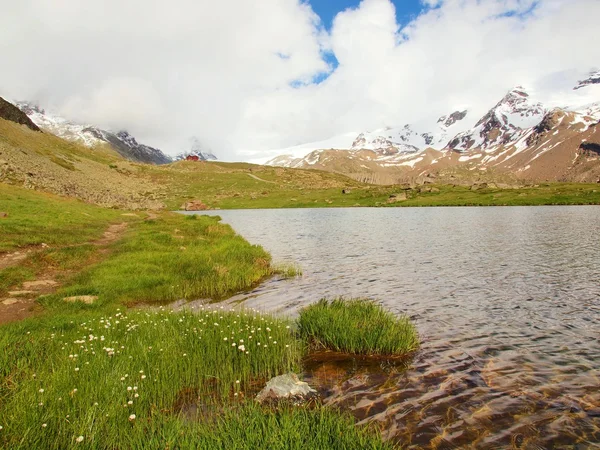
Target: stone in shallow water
{"points": [[286, 387]]}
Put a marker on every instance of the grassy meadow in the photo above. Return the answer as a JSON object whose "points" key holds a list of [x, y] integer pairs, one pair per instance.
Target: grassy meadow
{"points": [[104, 375], [36, 217], [535, 195], [241, 186]]}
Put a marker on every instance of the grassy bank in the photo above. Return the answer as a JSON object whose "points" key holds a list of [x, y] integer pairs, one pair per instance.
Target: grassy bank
{"points": [[169, 258], [102, 375]]}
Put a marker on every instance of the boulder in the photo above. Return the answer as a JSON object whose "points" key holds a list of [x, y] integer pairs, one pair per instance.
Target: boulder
{"points": [[399, 197], [286, 387], [194, 205], [479, 186]]}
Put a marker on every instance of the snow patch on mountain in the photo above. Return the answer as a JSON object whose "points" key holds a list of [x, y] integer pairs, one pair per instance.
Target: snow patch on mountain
{"points": [[386, 142], [504, 123], [122, 142], [59, 126]]}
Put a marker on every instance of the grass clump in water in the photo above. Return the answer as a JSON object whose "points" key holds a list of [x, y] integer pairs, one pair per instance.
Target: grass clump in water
{"points": [[287, 270], [357, 326]]}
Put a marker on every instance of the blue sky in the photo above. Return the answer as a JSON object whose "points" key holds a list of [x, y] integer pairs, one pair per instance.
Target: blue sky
{"points": [[406, 10], [327, 9]]}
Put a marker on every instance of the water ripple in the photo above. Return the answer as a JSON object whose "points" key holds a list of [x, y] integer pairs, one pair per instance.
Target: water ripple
{"points": [[507, 302]]}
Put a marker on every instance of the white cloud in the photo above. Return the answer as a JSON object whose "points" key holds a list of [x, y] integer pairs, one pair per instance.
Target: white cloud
{"points": [[225, 70]]}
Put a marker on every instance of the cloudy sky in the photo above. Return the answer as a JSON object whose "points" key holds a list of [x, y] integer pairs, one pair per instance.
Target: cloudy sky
{"points": [[250, 76]]}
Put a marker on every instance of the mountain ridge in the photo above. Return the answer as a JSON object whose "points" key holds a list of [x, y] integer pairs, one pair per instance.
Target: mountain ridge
{"points": [[519, 136], [121, 141]]}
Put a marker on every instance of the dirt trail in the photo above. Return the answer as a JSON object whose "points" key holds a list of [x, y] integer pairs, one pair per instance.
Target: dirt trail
{"points": [[13, 259], [260, 179], [20, 302]]}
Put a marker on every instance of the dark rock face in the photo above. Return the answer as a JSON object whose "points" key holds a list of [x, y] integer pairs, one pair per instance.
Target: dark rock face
{"points": [[428, 138], [591, 148], [594, 78], [453, 118], [548, 123], [8, 111]]}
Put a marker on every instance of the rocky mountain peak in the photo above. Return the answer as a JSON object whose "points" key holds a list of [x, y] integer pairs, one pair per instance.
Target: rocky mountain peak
{"points": [[450, 120], [514, 113], [593, 78], [30, 108]]}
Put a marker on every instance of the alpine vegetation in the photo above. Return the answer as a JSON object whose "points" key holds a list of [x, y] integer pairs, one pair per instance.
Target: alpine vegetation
{"points": [[357, 326]]}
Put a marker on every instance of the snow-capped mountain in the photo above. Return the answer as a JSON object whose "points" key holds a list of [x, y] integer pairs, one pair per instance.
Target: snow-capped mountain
{"points": [[503, 123], [395, 142], [519, 135], [122, 142], [593, 78], [412, 138], [197, 149]]}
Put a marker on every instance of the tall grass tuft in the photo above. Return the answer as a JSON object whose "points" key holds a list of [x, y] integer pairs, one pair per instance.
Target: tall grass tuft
{"points": [[357, 326], [122, 380]]}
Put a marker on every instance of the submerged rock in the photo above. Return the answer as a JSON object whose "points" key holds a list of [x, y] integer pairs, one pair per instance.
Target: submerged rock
{"points": [[286, 387]]}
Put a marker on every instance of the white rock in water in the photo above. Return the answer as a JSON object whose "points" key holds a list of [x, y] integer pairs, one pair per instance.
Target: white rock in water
{"points": [[286, 386]]}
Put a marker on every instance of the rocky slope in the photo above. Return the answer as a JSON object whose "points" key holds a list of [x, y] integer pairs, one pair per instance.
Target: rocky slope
{"points": [[519, 137], [44, 162], [121, 141], [8, 111]]}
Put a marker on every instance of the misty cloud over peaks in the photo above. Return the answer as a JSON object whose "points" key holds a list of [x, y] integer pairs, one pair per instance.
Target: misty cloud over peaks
{"points": [[251, 76]]}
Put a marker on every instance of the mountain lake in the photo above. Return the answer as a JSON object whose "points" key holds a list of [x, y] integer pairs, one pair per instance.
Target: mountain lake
{"points": [[506, 301]]}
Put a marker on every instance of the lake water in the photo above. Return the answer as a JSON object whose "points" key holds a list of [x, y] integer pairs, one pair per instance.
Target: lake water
{"points": [[506, 300]]}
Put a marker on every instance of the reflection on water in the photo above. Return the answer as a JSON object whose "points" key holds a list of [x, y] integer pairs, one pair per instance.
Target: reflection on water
{"points": [[507, 302]]}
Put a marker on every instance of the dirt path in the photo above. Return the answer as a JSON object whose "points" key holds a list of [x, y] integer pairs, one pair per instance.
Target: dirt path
{"points": [[20, 303], [13, 259], [260, 179]]}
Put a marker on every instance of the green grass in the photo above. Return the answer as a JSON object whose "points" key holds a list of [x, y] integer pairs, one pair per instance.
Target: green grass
{"points": [[35, 218], [541, 194], [66, 372], [357, 326], [170, 258], [231, 186], [12, 276]]}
